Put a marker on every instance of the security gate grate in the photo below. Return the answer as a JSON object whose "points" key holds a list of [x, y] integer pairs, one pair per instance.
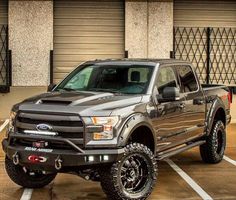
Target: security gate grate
{"points": [[4, 64], [211, 50]]}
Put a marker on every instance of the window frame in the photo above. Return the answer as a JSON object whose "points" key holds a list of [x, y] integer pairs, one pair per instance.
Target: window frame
{"points": [[175, 74], [179, 80], [85, 65]]}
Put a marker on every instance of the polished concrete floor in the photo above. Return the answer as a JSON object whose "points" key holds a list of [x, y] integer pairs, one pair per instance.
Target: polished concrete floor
{"points": [[218, 181]]}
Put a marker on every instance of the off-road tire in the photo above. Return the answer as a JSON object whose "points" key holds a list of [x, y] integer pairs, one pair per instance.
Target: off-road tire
{"points": [[20, 177], [111, 180], [213, 150]]}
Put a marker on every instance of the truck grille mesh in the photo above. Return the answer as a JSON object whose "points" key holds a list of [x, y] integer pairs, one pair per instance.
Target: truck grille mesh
{"points": [[67, 126]]}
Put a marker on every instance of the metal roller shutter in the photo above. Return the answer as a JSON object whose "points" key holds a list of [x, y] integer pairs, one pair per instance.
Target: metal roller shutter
{"points": [[205, 13], [86, 30], [3, 12], [205, 34]]}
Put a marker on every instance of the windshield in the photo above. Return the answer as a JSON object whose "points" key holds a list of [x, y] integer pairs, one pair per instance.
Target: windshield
{"points": [[115, 79]]}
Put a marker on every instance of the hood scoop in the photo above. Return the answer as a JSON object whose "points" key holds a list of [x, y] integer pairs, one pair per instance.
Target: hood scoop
{"points": [[54, 102]]}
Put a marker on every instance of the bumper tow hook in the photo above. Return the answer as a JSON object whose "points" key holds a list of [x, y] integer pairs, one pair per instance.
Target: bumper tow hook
{"points": [[15, 159], [58, 163]]}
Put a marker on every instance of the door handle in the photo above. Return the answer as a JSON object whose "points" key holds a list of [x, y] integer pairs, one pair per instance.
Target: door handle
{"points": [[198, 101], [160, 109], [181, 105]]}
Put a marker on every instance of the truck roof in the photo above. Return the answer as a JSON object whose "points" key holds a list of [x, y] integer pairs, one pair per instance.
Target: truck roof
{"points": [[133, 61]]}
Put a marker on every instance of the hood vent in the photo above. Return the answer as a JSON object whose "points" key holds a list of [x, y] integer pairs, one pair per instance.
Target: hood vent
{"points": [[54, 102]]}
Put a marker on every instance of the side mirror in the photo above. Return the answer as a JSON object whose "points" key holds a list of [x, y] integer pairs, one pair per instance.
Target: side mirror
{"points": [[51, 87], [169, 94]]}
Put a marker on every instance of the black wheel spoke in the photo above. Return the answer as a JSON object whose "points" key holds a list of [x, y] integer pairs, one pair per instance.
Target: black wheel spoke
{"points": [[125, 183], [134, 173], [131, 176], [123, 169], [127, 163]]}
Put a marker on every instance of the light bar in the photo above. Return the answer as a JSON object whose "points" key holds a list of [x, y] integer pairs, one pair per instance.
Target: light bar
{"points": [[105, 157], [40, 132], [90, 158]]}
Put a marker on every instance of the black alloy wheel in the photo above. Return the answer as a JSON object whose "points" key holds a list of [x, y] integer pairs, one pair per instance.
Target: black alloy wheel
{"points": [[133, 176]]}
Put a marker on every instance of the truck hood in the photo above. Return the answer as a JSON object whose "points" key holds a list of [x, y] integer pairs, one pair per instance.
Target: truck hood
{"points": [[82, 103]]}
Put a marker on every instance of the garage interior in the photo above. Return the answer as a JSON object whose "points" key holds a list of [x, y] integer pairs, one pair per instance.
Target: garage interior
{"points": [[85, 30]]}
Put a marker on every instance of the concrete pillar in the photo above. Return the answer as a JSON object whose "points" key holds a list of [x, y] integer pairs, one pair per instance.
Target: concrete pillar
{"points": [[30, 39], [160, 29], [149, 28], [136, 28]]}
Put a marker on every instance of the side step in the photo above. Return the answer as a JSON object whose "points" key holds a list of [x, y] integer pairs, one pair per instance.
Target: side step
{"points": [[171, 152]]}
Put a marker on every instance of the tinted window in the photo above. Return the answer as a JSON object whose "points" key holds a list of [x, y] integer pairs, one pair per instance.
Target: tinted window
{"points": [[165, 78], [117, 79], [187, 79], [80, 80]]}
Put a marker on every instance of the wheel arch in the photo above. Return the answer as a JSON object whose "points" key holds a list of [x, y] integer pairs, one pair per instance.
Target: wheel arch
{"points": [[217, 112], [134, 129]]}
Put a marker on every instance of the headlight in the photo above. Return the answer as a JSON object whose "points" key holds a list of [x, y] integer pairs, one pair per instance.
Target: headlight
{"points": [[105, 127], [12, 121]]}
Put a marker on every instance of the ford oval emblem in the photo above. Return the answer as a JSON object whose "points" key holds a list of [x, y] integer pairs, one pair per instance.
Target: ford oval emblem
{"points": [[43, 127]]}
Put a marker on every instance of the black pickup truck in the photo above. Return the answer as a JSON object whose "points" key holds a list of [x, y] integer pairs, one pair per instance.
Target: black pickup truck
{"points": [[112, 121]]}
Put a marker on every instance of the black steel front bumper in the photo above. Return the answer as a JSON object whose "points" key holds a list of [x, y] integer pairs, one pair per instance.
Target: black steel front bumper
{"points": [[58, 159]]}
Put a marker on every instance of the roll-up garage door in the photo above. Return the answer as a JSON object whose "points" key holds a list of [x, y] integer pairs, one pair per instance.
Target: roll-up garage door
{"points": [[205, 13], [86, 30], [205, 35], [3, 12]]}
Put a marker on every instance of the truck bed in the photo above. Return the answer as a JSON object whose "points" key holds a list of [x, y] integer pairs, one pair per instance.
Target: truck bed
{"points": [[213, 91]]}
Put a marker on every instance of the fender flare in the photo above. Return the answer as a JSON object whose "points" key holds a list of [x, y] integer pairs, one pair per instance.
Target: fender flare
{"points": [[216, 105], [133, 122]]}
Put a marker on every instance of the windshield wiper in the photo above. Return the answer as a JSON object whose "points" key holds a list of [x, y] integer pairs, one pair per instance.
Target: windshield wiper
{"points": [[95, 90], [68, 89]]}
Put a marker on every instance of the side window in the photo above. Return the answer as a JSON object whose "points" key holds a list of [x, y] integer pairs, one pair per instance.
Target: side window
{"points": [[165, 78], [187, 79]]}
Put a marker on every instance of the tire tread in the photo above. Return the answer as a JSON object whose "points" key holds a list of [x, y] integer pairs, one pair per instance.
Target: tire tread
{"points": [[207, 151], [17, 175], [109, 174]]}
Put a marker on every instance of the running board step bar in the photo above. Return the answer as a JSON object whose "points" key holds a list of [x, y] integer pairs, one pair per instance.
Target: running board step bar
{"points": [[169, 153]]}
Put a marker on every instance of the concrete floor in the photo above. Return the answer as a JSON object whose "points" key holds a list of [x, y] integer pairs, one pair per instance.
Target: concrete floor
{"points": [[216, 180]]}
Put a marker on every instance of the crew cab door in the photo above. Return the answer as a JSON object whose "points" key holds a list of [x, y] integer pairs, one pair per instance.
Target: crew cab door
{"points": [[193, 102], [169, 121]]}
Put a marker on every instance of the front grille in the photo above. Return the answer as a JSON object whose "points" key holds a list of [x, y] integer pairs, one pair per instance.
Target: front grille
{"points": [[53, 123], [67, 126]]}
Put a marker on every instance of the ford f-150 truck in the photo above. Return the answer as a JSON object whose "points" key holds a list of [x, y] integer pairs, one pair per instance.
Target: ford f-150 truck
{"points": [[112, 121]]}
